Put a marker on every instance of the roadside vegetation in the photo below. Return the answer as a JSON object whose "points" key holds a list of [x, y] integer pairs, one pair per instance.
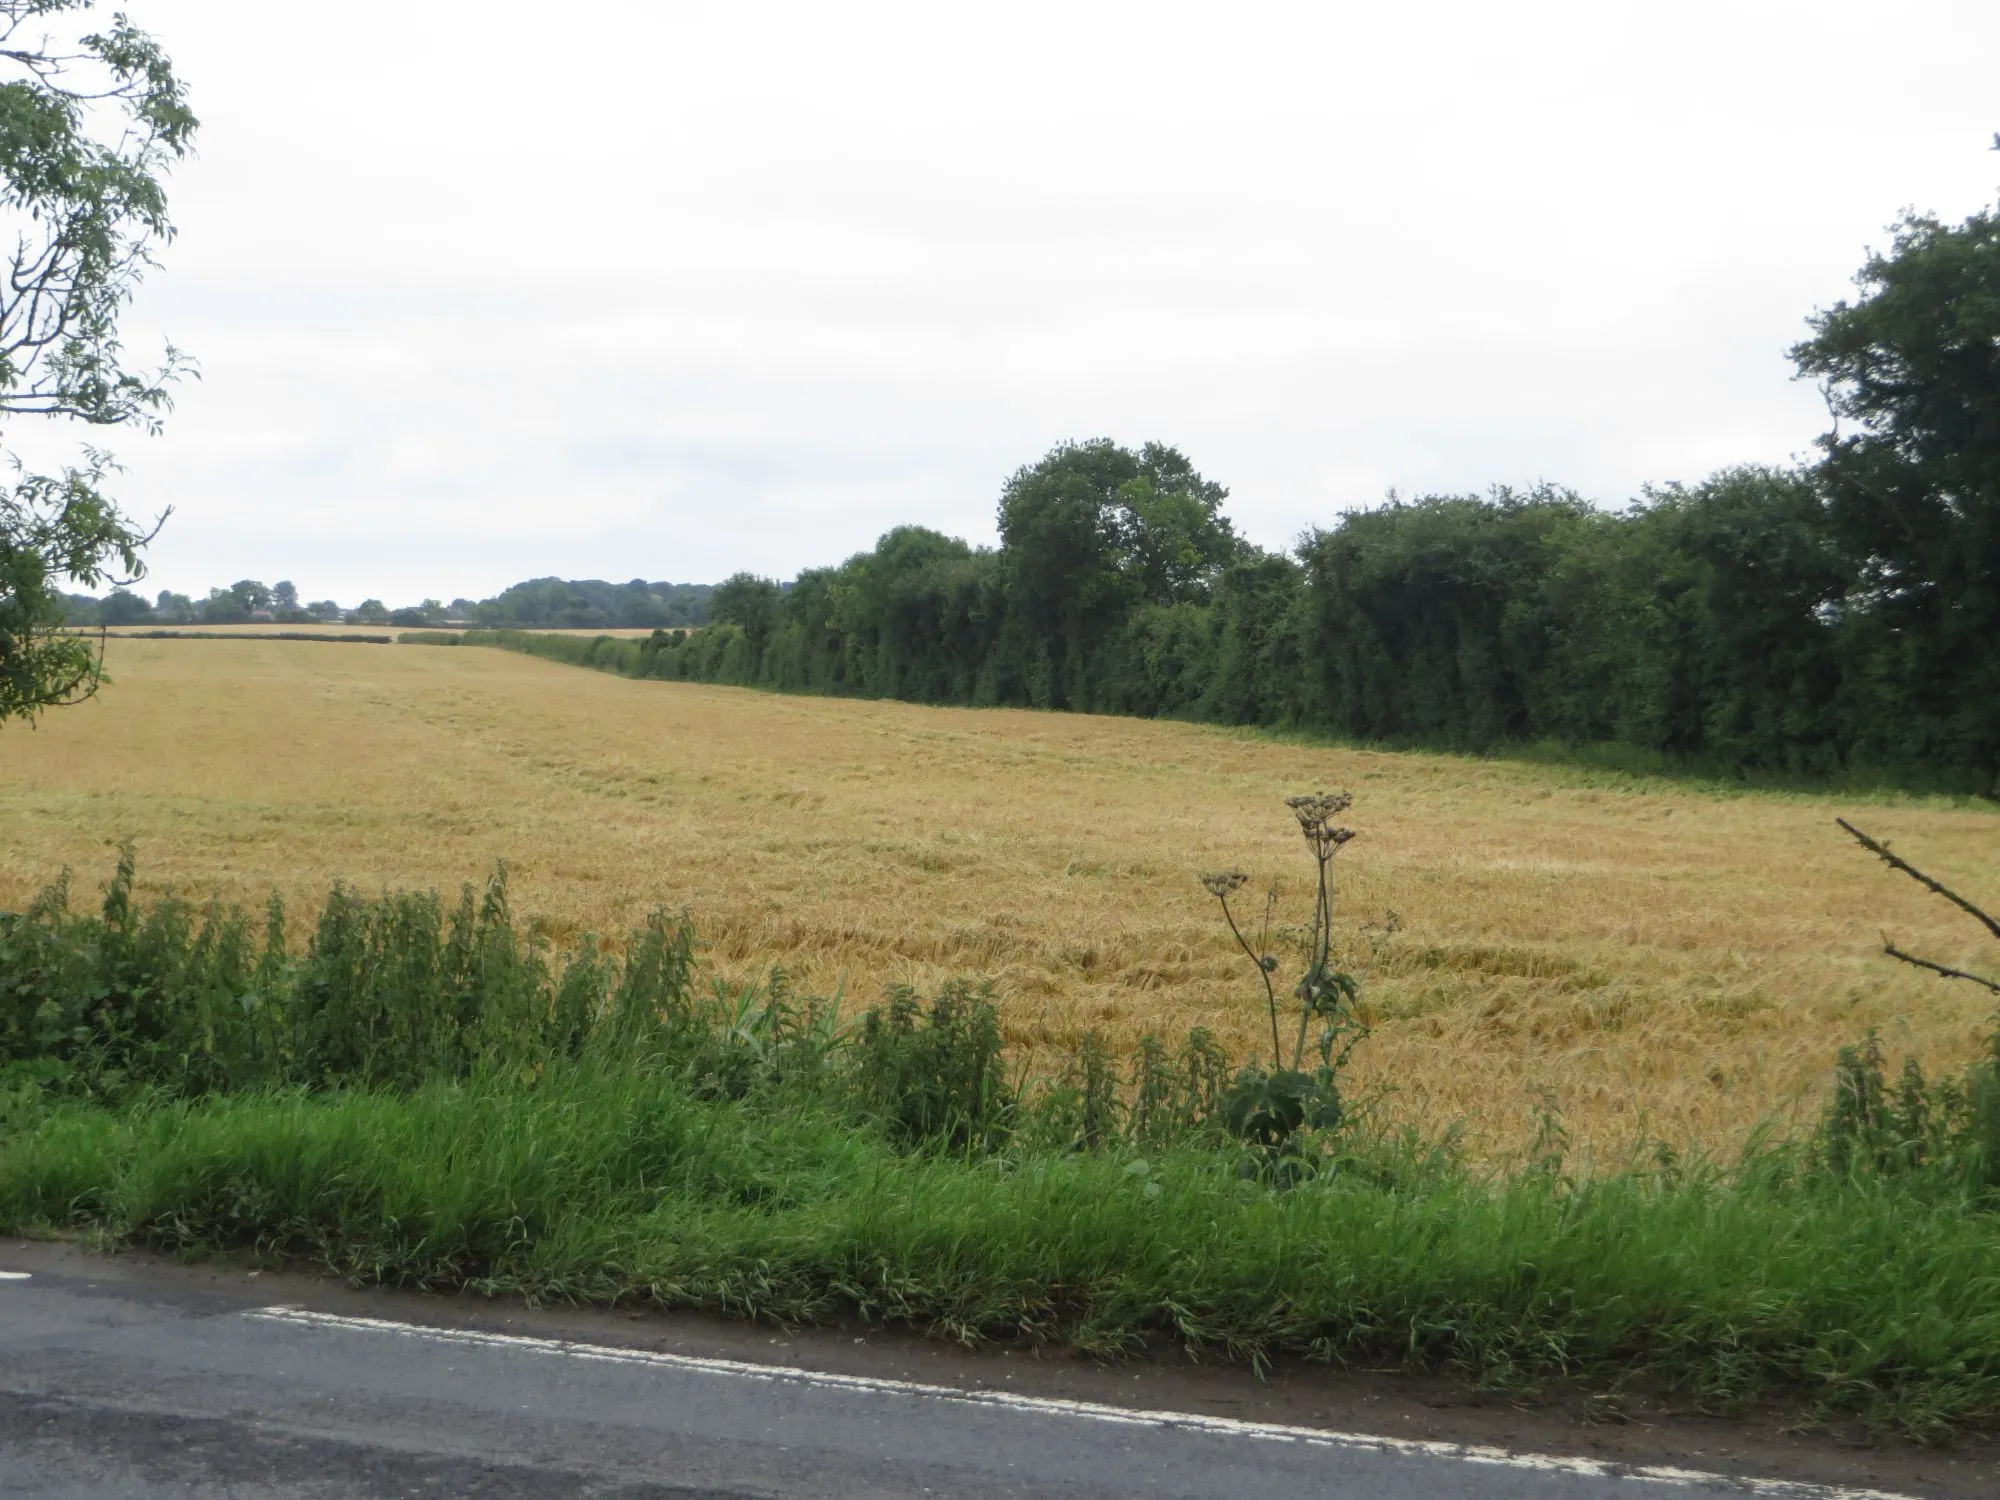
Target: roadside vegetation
{"points": [[434, 1095]]}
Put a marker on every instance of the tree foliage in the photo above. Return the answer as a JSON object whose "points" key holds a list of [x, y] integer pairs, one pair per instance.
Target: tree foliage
{"points": [[1730, 625], [591, 603], [1912, 483], [1088, 534], [90, 122]]}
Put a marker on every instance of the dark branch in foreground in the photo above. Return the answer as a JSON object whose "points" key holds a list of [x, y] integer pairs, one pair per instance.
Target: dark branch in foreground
{"points": [[1897, 862], [1950, 973]]}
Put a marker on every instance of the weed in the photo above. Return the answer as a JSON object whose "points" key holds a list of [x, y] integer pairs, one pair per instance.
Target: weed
{"points": [[1080, 1110], [1948, 1126], [1268, 1109], [389, 992], [935, 1076]]}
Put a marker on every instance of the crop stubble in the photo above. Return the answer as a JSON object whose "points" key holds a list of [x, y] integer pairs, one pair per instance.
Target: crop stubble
{"points": [[1658, 959]]}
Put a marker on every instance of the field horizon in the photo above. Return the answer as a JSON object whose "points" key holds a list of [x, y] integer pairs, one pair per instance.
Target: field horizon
{"points": [[254, 628], [1651, 959]]}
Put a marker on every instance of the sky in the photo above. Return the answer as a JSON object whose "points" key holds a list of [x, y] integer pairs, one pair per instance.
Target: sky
{"points": [[488, 291]]}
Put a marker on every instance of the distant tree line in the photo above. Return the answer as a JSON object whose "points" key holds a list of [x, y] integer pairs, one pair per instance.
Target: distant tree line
{"points": [[1836, 620], [591, 604], [538, 604]]}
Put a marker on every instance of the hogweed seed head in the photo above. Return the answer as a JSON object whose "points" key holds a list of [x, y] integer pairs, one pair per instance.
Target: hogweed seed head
{"points": [[1328, 840], [1313, 811], [1221, 884]]}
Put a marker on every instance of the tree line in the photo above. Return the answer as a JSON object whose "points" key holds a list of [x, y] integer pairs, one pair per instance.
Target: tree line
{"points": [[537, 604], [1839, 619]]}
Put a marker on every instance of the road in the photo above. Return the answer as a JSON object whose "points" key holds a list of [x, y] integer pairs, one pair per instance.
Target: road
{"points": [[114, 1384]]}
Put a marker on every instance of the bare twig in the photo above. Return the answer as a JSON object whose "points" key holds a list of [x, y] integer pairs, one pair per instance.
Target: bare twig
{"points": [[1950, 973], [1897, 862]]}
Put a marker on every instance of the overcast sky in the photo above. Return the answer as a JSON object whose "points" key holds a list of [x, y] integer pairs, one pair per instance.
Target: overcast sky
{"points": [[671, 289]]}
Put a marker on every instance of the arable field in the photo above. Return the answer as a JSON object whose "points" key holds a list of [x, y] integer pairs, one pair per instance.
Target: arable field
{"points": [[267, 627], [1650, 958]]}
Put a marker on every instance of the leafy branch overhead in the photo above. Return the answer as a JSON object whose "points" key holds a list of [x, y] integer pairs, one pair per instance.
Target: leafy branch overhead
{"points": [[90, 125]]}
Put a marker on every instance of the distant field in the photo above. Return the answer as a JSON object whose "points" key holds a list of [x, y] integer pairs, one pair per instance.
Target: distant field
{"points": [[1655, 957], [267, 628]]}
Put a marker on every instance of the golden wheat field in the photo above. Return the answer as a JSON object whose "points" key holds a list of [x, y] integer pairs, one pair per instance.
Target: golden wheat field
{"points": [[1655, 959]]}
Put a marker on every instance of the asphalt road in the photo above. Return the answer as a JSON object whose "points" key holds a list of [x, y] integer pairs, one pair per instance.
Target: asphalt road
{"points": [[116, 1386]]}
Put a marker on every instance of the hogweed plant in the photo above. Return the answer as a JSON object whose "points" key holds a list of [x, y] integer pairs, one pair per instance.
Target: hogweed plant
{"points": [[1268, 1109]]}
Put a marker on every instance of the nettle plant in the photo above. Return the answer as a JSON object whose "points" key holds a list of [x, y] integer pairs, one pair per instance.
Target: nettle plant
{"points": [[1269, 1107]]}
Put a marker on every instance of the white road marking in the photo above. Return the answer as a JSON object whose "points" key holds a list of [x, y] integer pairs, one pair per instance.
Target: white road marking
{"points": [[1588, 1468], [14, 1275]]}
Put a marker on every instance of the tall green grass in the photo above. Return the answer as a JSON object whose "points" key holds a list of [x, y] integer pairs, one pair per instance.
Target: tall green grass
{"points": [[624, 1187]]}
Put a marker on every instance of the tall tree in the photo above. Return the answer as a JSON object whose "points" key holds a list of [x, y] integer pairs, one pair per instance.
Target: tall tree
{"points": [[745, 600], [1911, 471], [1090, 531], [91, 119], [1175, 539]]}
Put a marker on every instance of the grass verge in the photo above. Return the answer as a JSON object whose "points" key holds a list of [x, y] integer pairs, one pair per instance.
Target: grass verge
{"points": [[1871, 1297]]}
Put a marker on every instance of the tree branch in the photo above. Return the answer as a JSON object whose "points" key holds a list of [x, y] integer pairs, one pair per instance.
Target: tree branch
{"points": [[1950, 973], [1897, 862]]}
